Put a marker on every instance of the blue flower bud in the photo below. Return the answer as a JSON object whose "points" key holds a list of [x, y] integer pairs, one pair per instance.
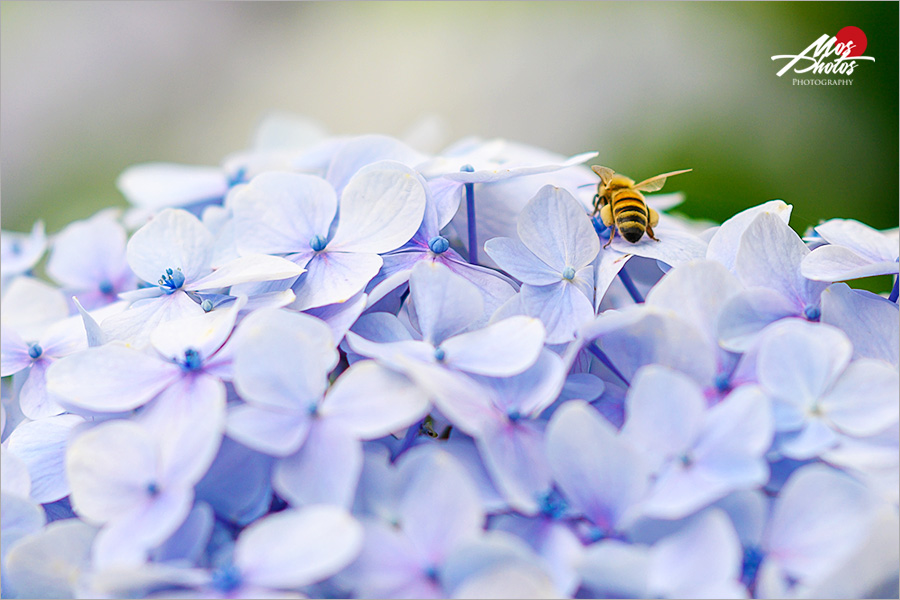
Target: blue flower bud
{"points": [[568, 273], [35, 351], [439, 354], [226, 578], [812, 313], [192, 360], [439, 244], [467, 168], [206, 305], [317, 243], [106, 288]]}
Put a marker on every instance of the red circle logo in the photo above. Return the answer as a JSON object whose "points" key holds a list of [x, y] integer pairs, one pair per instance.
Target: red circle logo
{"points": [[855, 37]]}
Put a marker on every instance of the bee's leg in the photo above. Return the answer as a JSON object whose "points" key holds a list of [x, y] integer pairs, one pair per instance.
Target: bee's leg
{"points": [[612, 234], [596, 204], [652, 221]]}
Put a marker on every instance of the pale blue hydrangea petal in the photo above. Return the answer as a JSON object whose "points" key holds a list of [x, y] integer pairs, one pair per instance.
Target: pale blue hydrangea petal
{"points": [[93, 333], [248, 268], [798, 361], [561, 307], [381, 327], [457, 396], [51, 563], [14, 475], [110, 468], [188, 420], [864, 398], [298, 547], [445, 303], [439, 485], [503, 348], [837, 263], [514, 456], [159, 185], [816, 507], [41, 445], [281, 358], [495, 288], [35, 401], [110, 378], [616, 569], [381, 209], [334, 277], [871, 322], [489, 173], [88, 253], [204, 333], [30, 307], [747, 313], [127, 540], [371, 401], [556, 229], [603, 475], [14, 355], [389, 566], [135, 324], [702, 560], [280, 213], [478, 568], [812, 439], [360, 151], [19, 252], [697, 291], [770, 255], [173, 239], [724, 244], [324, 471], [673, 248], [865, 240], [533, 390], [19, 517], [515, 258], [463, 449], [664, 413], [401, 355]]}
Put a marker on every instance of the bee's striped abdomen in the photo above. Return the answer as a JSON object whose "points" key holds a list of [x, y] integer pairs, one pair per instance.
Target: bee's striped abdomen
{"points": [[630, 214]]}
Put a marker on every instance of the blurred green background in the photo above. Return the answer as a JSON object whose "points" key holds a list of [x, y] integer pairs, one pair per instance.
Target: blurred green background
{"points": [[89, 88]]}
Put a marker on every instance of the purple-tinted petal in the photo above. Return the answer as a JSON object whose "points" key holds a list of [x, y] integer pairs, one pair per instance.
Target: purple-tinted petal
{"points": [[251, 267], [561, 307], [724, 244], [866, 241], [871, 322], [747, 313], [361, 151], [513, 257], [444, 302], [87, 253], [14, 355], [817, 506], [864, 398], [556, 229], [110, 468], [371, 401], [837, 263], [601, 473], [673, 248], [110, 378], [135, 324], [42, 447], [341, 317], [35, 401], [282, 359], [298, 547], [389, 566], [438, 485], [324, 471], [237, 485], [280, 213], [31, 306], [514, 456], [334, 277], [616, 569], [381, 209], [504, 348]]}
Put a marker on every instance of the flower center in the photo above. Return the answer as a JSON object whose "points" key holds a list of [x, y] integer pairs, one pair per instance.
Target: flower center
{"points": [[439, 244], [686, 459], [568, 273], [153, 488], [552, 504], [206, 305], [439, 354], [513, 415], [192, 360], [317, 243], [35, 351], [105, 287], [171, 280]]}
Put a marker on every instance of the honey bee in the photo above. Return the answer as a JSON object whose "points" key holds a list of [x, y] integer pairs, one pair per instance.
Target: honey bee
{"points": [[622, 205]]}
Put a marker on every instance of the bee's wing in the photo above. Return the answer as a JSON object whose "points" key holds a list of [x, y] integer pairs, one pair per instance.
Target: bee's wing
{"points": [[655, 183], [605, 173]]}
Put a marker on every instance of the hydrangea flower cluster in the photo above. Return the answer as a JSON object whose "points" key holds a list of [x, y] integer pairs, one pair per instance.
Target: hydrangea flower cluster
{"points": [[342, 367]]}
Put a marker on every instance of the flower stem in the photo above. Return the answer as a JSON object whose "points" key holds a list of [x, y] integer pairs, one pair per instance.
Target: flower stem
{"points": [[603, 358], [470, 217], [629, 285]]}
